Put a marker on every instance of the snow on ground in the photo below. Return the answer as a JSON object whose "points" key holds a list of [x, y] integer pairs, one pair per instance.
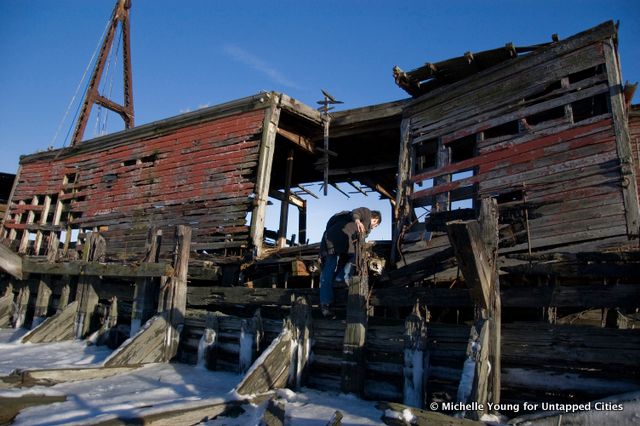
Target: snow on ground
{"points": [[161, 386]]}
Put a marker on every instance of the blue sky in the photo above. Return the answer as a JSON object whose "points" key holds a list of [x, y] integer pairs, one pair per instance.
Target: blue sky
{"points": [[194, 53]]}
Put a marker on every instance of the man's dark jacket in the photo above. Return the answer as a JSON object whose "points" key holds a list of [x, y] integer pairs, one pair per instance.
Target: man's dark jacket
{"points": [[342, 232]]}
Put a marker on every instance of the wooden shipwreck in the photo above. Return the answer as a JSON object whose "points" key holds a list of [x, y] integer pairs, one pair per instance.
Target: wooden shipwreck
{"points": [[512, 274]]}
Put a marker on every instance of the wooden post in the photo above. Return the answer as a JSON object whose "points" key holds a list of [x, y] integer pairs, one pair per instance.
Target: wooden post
{"points": [[108, 321], [628, 183], [6, 306], [353, 361], [263, 178], [208, 346], [86, 294], [402, 209], [42, 300], [284, 208], [64, 294], [301, 337], [146, 289], [476, 244], [22, 303], [442, 160], [173, 295], [302, 223], [251, 333], [416, 358]]}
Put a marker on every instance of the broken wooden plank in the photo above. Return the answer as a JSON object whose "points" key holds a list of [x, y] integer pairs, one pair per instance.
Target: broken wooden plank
{"points": [[11, 262], [271, 369], [148, 346], [59, 327]]}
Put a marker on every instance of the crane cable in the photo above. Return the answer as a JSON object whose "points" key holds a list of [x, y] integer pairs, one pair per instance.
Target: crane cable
{"points": [[112, 58], [73, 99]]}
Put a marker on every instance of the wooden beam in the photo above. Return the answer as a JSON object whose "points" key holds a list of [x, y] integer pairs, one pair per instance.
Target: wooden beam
{"points": [[80, 267], [402, 210], [586, 295], [466, 240], [476, 245], [628, 171], [303, 142], [293, 198], [363, 169]]}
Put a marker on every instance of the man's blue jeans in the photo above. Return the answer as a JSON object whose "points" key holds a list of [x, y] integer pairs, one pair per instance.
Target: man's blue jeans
{"points": [[330, 273]]}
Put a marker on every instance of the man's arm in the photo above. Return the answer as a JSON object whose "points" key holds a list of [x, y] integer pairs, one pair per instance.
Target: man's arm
{"points": [[358, 216]]}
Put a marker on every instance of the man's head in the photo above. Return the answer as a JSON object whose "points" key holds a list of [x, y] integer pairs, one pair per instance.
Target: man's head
{"points": [[376, 218]]}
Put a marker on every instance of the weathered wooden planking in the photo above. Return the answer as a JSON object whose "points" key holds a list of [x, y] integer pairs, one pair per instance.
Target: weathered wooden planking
{"points": [[214, 160]]}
